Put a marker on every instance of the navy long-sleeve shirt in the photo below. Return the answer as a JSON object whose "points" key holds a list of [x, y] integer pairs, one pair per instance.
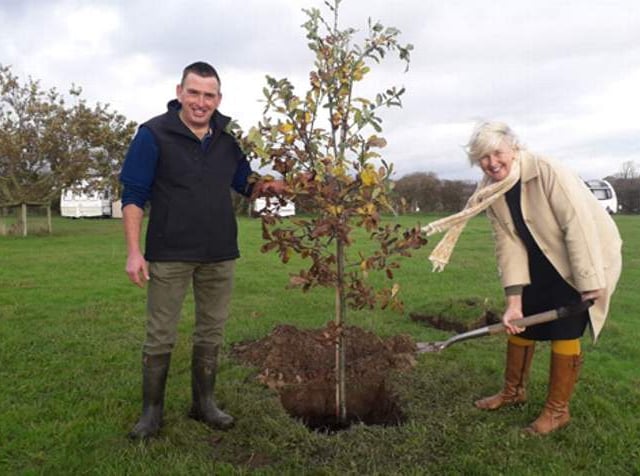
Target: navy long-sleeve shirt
{"points": [[138, 170]]}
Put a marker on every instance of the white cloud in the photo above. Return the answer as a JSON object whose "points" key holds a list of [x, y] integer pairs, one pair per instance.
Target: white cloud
{"points": [[616, 107], [563, 74], [84, 32]]}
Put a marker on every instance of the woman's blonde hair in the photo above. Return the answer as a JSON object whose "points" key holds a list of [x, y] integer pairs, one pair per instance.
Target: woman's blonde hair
{"points": [[487, 137]]}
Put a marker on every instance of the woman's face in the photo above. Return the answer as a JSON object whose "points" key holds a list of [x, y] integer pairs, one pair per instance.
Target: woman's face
{"points": [[497, 163]]}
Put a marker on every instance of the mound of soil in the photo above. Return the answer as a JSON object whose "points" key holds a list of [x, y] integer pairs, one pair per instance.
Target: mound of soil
{"points": [[300, 365]]}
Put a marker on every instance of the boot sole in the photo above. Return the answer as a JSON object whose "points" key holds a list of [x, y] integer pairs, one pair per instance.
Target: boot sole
{"points": [[197, 417], [502, 405], [142, 437]]}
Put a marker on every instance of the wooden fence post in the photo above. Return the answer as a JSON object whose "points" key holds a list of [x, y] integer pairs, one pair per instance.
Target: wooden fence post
{"points": [[49, 227], [24, 219]]}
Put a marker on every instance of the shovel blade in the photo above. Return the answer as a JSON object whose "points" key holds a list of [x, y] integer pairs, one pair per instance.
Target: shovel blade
{"points": [[433, 347]]}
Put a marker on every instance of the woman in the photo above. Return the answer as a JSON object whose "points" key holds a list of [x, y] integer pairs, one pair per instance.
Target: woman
{"points": [[555, 245]]}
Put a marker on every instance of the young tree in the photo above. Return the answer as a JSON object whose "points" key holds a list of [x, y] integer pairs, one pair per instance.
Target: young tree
{"points": [[325, 145], [47, 145]]}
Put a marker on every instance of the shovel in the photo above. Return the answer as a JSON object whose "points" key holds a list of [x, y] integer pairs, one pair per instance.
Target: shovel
{"points": [[547, 316]]}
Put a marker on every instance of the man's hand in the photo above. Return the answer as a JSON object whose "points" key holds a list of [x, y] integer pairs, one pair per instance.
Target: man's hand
{"points": [[270, 187], [137, 269]]}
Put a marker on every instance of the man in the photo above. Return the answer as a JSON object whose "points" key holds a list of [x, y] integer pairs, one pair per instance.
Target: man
{"points": [[184, 163]]}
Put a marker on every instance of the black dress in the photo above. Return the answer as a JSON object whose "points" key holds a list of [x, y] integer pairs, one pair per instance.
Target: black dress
{"points": [[548, 290]]}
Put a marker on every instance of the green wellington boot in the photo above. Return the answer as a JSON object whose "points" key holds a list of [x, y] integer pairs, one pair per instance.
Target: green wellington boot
{"points": [[154, 378], [203, 382]]}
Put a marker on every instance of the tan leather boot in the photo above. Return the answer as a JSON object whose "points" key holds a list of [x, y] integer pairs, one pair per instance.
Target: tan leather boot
{"points": [[564, 373], [515, 378]]}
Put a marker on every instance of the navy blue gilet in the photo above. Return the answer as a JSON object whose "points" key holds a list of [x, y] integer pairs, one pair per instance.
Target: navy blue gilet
{"points": [[192, 216]]}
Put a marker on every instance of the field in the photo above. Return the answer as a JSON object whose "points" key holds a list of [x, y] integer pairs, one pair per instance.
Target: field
{"points": [[71, 328]]}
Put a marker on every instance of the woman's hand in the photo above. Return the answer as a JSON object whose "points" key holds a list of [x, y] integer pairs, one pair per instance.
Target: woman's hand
{"points": [[513, 312], [594, 294]]}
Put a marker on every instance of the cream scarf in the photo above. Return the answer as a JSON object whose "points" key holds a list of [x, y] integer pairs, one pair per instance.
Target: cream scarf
{"points": [[485, 194]]}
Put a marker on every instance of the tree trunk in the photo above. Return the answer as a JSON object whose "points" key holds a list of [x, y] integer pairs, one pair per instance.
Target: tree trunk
{"points": [[341, 310]]}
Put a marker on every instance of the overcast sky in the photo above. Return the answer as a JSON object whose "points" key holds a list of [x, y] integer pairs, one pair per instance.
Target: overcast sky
{"points": [[565, 74]]}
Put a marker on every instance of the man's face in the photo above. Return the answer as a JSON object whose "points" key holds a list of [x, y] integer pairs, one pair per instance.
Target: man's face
{"points": [[200, 97]]}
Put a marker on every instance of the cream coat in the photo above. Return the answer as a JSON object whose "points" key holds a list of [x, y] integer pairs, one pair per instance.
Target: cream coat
{"points": [[571, 228]]}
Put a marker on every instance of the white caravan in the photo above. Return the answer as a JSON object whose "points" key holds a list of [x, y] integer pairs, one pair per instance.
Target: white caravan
{"points": [[605, 194], [85, 204], [260, 205]]}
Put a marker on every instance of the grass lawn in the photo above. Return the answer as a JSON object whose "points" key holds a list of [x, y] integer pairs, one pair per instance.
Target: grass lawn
{"points": [[71, 328]]}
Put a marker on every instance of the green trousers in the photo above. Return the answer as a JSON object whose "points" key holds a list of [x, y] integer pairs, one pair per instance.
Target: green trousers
{"points": [[167, 287]]}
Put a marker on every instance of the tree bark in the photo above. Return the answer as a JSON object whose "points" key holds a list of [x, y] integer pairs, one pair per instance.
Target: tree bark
{"points": [[341, 309]]}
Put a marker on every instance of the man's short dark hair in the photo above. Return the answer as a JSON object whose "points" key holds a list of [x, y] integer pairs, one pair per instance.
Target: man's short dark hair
{"points": [[202, 69]]}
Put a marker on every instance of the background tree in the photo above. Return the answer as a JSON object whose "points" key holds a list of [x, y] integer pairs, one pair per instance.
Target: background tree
{"points": [[455, 193], [626, 183], [628, 170], [425, 192], [325, 145], [47, 145], [420, 191]]}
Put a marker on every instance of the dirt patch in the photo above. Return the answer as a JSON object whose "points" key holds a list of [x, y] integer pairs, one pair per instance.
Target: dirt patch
{"points": [[245, 458], [300, 365], [446, 323]]}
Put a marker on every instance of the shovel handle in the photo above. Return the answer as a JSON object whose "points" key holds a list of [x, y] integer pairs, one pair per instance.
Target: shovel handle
{"points": [[532, 320], [542, 317], [525, 321]]}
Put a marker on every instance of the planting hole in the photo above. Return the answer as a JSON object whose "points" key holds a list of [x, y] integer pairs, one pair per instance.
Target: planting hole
{"points": [[315, 406], [300, 365]]}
